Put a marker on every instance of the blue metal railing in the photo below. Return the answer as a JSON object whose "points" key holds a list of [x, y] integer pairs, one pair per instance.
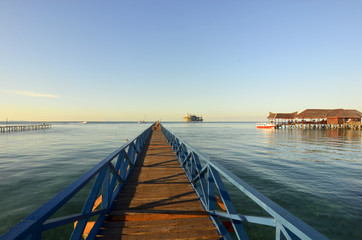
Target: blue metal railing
{"points": [[109, 180], [205, 177]]}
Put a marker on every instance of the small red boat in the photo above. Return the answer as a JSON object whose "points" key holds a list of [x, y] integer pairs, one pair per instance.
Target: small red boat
{"points": [[265, 125]]}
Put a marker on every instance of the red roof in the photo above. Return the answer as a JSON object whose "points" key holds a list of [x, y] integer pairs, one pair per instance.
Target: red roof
{"points": [[282, 115], [330, 113]]}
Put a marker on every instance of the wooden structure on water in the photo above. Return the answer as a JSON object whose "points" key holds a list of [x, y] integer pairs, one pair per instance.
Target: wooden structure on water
{"points": [[158, 201], [318, 119], [330, 116], [353, 126], [17, 128]]}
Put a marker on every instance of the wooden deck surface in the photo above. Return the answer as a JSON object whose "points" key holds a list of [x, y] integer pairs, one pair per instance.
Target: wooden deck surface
{"points": [[158, 202]]}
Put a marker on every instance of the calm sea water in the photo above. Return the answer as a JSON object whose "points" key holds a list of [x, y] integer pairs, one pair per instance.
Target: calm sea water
{"points": [[315, 174]]}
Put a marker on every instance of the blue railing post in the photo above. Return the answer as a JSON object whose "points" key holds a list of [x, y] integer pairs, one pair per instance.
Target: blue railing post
{"points": [[130, 153], [37, 233], [116, 169], [238, 226], [106, 189], [210, 190], [78, 231], [124, 164]]}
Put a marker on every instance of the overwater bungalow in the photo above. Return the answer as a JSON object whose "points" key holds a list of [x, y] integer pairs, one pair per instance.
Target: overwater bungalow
{"points": [[282, 117], [318, 118], [329, 116]]}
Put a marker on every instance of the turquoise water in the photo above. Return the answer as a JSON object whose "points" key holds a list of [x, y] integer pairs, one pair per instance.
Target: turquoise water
{"points": [[315, 174]]}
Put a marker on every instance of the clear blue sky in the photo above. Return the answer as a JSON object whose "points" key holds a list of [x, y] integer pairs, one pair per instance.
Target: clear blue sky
{"points": [[227, 60]]}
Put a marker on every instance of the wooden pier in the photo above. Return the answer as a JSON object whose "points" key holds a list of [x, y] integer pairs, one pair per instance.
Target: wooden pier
{"points": [[17, 128], [351, 126], [158, 201]]}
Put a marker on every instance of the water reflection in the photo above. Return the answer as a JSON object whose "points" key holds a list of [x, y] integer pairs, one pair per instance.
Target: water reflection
{"points": [[312, 173], [335, 140]]}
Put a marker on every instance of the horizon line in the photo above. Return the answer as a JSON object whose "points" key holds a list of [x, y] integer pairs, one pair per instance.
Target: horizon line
{"points": [[136, 121]]}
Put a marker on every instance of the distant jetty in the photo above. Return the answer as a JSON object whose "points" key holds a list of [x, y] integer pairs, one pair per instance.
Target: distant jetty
{"points": [[18, 128], [318, 119]]}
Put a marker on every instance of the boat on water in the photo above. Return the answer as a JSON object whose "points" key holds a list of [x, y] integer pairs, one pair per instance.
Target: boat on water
{"points": [[143, 120], [84, 122], [193, 118], [266, 125]]}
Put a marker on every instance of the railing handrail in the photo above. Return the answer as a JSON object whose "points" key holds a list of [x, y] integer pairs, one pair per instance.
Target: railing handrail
{"points": [[284, 221], [32, 224]]}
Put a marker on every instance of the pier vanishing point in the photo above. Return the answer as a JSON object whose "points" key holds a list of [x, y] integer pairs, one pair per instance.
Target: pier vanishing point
{"points": [[158, 187]]}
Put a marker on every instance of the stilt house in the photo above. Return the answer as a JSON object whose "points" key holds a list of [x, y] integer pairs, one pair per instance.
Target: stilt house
{"points": [[330, 116], [282, 117]]}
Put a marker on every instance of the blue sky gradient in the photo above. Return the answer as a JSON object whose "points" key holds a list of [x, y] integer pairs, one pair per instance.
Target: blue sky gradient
{"points": [[227, 60]]}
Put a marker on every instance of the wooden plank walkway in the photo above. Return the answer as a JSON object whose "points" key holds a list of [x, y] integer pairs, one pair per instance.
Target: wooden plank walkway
{"points": [[158, 202]]}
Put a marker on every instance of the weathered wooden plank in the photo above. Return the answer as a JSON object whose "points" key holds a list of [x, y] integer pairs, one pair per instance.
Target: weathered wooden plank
{"points": [[159, 222], [151, 237], [186, 204], [166, 227], [165, 233]]}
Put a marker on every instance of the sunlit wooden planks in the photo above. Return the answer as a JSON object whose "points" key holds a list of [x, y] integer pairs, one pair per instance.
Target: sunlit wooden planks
{"points": [[158, 202]]}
